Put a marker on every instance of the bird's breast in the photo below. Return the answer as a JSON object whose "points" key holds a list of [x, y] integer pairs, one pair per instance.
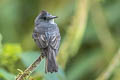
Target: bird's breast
{"points": [[43, 30]]}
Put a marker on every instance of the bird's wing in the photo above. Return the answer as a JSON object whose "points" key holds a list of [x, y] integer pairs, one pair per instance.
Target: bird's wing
{"points": [[40, 40], [55, 41]]}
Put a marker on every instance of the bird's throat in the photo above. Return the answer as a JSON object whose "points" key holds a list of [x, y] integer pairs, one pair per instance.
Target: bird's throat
{"points": [[52, 21]]}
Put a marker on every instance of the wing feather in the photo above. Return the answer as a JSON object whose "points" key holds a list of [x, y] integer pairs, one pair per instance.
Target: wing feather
{"points": [[40, 40], [55, 41]]}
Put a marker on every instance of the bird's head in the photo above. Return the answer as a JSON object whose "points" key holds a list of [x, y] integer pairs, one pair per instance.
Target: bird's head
{"points": [[45, 17]]}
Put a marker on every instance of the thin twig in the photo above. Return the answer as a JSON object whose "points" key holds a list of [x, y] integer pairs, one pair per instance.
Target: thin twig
{"points": [[30, 69]]}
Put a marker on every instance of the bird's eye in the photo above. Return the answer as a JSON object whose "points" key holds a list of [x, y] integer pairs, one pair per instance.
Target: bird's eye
{"points": [[44, 18]]}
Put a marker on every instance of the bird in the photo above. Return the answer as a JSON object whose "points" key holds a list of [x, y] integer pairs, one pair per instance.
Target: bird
{"points": [[47, 37]]}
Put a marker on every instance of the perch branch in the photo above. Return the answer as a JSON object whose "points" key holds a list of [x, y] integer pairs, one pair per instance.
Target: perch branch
{"points": [[30, 69]]}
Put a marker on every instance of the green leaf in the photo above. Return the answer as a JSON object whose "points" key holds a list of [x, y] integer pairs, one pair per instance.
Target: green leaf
{"points": [[6, 75], [56, 76], [50, 76]]}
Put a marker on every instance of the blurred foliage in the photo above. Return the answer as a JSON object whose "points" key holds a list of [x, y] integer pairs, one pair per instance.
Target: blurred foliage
{"points": [[78, 21], [0, 43], [90, 31], [9, 56]]}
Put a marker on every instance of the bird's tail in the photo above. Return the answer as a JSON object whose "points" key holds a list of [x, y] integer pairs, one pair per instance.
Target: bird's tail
{"points": [[51, 65]]}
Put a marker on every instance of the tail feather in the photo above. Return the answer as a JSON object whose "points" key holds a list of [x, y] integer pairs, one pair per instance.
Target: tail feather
{"points": [[51, 65]]}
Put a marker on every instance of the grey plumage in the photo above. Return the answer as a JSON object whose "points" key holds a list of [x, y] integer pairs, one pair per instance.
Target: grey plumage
{"points": [[47, 37]]}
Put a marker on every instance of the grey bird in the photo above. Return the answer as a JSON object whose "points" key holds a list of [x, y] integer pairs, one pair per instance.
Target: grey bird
{"points": [[47, 37]]}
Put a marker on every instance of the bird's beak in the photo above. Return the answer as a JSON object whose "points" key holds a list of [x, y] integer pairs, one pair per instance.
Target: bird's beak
{"points": [[52, 17]]}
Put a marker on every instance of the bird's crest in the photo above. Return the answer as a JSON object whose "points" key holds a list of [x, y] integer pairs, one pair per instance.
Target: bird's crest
{"points": [[43, 13]]}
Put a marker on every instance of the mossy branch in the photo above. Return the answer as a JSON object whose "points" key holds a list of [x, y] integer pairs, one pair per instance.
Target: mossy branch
{"points": [[29, 70]]}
